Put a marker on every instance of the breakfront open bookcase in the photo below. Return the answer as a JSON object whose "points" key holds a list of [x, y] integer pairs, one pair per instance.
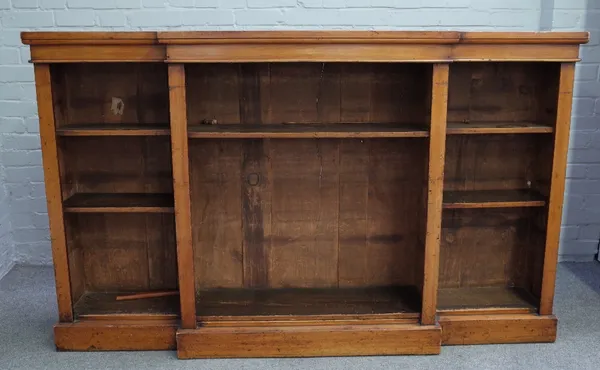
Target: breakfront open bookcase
{"points": [[269, 194]]}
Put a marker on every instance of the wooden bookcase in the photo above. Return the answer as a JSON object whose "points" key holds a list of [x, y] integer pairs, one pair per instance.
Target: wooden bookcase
{"points": [[304, 193]]}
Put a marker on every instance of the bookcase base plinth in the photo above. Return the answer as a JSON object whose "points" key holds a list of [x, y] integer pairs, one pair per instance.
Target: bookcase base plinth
{"points": [[308, 341], [127, 335], [497, 329]]}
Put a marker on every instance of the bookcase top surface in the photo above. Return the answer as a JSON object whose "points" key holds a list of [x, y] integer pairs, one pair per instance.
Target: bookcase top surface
{"points": [[402, 37], [303, 46]]}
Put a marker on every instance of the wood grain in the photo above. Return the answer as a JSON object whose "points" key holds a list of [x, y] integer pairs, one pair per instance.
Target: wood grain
{"points": [[94, 305], [475, 128], [95, 53], [493, 199], [119, 203], [128, 335], [557, 188], [53, 192], [113, 130], [181, 186], [437, 148], [308, 341], [494, 297], [497, 329]]}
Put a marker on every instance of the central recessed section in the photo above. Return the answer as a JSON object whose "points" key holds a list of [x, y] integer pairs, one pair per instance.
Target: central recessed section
{"points": [[326, 223]]}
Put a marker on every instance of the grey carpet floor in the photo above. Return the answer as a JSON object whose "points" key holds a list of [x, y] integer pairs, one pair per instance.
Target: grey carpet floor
{"points": [[27, 313]]}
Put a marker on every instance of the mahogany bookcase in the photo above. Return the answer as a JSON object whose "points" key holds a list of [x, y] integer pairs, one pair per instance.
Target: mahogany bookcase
{"points": [[271, 194]]}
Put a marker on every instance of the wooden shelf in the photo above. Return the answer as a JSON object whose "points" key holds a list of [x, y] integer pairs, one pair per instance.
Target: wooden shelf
{"points": [[492, 199], [119, 203], [114, 130], [474, 128], [98, 305], [490, 299], [238, 303], [339, 130]]}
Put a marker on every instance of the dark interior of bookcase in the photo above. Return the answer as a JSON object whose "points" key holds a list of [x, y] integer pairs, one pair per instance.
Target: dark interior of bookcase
{"points": [[502, 95], [308, 226], [491, 255], [117, 190]]}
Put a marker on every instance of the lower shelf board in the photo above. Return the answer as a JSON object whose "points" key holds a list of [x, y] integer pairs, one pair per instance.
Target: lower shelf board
{"points": [[473, 128], [238, 303], [492, 199], [471, 299], [308, 341], [106, 306]]}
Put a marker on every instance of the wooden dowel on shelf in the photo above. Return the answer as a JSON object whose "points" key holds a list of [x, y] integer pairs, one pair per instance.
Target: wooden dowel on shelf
{"points": [[130, 297]]}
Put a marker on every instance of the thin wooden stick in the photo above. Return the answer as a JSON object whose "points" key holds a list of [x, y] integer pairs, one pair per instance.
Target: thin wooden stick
{"points": [[130, 297]]}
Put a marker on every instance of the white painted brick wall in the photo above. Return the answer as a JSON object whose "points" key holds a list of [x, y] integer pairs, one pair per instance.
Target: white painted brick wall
{"points": [[20, 159]]}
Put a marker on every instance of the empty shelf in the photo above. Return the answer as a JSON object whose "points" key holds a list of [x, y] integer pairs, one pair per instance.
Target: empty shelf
{"points": [[119, 203], [340, 130], [113, 130], [103, 304], [492, 199], [457, 128], [309, 302], [485, 298]]}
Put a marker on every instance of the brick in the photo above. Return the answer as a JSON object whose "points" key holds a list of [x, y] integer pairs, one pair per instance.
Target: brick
{"points": [[207, 3], [586, 72], [584, 187], [570, 4], [73, 18], [4, 4], [209, 17], [593, 171], [182, 3], [569, 232], [525, 19], [589, 232], [18, 191], [12, 125], [271, 3], [27, 19], [18, 108], [16, 73], [232, 4], [258, 17], [92, 4], [153, 3], [573, 19], [583, 107], [21, 142], [581, 139], [9, 56], [24, 174], [156, 18], [29, 221], [32, 125], [589, 89], [112, 18], [38, 190], [25, 53], [312, 3], [332, 4], [53, 4], [25, 4], [20, 158], [584, 156], [585, 123], [577, 171], [579, 247], [444, 4], [580, 216], [311, 17], [500, 4], [129, 4], [592, 201]]}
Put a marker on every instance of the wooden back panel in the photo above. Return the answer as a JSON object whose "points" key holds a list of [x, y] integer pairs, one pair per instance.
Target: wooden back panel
{"points": [[307, 213], [115, 93], [275, 93], [503, 92], [116, 165]]}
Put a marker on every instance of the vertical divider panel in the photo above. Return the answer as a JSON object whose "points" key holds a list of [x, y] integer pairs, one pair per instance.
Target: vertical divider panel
{"points": [[557, 186], [435, 190], [50, 157], [181, 188]]}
